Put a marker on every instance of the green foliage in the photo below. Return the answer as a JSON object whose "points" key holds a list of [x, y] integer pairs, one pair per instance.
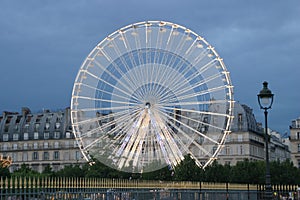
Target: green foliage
{"points": [[284, 172], [162, 174], [217, 173], [71, 171], [246, 171], [4, 172], [25, 171], [48, 172], [252, 172], [187, 170]]}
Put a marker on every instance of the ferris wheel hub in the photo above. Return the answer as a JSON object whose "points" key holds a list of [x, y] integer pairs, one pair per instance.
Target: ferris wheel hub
{"points": [[147, 105]]}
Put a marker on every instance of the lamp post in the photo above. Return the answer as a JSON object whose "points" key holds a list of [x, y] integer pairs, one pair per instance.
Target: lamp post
{"points": [[265, 100]]}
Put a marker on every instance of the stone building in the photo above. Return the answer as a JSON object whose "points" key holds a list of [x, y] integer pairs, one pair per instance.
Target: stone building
{"points": [[247, 140], [46, 138], [38, 139], [294, 141]]}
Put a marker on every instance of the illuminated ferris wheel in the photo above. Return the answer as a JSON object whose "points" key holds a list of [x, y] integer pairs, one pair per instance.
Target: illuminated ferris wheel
{"points": [[147, 95]]}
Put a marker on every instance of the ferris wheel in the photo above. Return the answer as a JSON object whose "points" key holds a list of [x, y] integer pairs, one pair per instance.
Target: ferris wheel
{"points": [[149, 94]]}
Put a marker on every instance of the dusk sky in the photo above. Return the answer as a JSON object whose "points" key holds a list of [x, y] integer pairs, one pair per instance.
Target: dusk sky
{"points": [[43, 44]]}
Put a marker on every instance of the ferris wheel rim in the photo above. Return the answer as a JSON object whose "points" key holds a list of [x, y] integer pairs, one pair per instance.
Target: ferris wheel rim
{"points": [[91, 58]]}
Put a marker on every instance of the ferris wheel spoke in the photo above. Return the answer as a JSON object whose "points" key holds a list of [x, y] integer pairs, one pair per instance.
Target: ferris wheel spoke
{"points": [[191, 128], [191, 139], [166, 136], [203, 112], [126, 83], [202, 69], [124, 128], [103, 100], [179, 141], [200, 93], [192, 120], [191, 87], [175, 84], [131, 57], [132, 77], [105, 126], [101, 117], [82, 86], [106, 82], [191, 103]]}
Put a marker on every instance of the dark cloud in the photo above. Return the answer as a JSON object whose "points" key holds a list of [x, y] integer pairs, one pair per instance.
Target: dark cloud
{"points": [[43, 43]]}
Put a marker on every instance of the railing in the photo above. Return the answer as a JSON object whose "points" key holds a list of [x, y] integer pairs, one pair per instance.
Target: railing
{"points": [[63, 182], [26, 188]]}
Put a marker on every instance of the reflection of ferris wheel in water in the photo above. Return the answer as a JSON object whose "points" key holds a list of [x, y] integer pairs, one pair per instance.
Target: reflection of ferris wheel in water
{"points": [[147, 95]]}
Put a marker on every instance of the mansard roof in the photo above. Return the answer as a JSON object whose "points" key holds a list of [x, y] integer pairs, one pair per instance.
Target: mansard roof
{"points": [[244, 119], [27, 123]]}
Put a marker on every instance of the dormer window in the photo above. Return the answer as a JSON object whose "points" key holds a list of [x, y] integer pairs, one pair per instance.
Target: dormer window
{"points": [[57, 125], [25, 136], [15, 136], [5, 137], [47, 126], [36, 136]]}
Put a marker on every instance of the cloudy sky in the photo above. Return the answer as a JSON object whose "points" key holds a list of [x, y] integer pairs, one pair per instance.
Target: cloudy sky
{"points": [[43, 44]]}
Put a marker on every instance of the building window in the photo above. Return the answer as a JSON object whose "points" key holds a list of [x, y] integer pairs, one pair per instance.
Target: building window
{"points": [[15, 136], [228, 151], [298, 135], [26, 128], [57, 125], [75, 144], [4, 147], [56, 135], [240, 117], [77, 155], [298, 148], [46, 145], [35, 156], [25, 156], [17, 127], [15, 146], [46, 155], [46, 135], [56, 145], [68, 135], [36, 127], [35, 145], [47, 126], [25, 136], [240, 138], [56, 155], [36, 135], [241, 150], [214, 149], [5, 137], [25, 146], [67, 144], [66, 156], [15, 157]]}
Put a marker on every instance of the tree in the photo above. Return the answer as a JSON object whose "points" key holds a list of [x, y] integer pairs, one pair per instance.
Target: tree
{"points": [[25, 171], [70, 171], [246, 171], [187, 170], [48, 172], [4, 172], [217, 173]]}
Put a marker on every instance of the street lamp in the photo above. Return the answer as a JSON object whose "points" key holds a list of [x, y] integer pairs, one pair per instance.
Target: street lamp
{"points": [[265, 100]]}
